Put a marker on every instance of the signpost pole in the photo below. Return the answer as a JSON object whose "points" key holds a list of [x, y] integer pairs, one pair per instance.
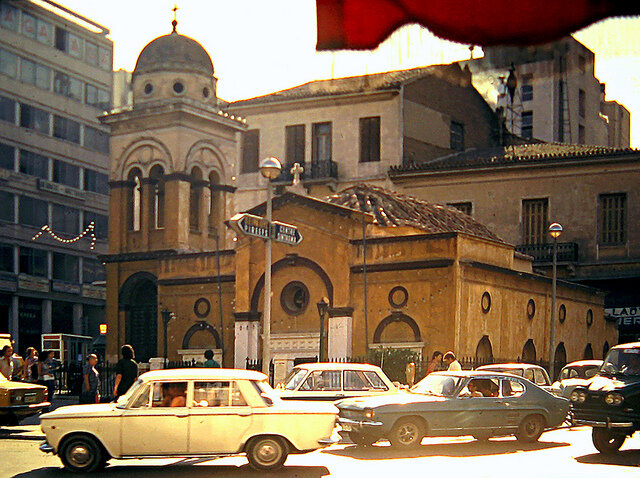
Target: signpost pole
{"points": [[266, 331]]}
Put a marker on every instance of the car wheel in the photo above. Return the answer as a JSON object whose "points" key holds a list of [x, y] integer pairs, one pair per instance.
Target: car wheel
{"points": [[530, 429], [81, 454], [362, 439], [606, 441], [267, 452], [407, 433]]}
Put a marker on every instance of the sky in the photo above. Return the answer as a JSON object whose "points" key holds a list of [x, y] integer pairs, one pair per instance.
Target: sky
{"points": [[259, 46]]}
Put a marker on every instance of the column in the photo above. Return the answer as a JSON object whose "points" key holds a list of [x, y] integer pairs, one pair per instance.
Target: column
{"points": [[46, 317], [246, 339], [340, 337], [78, 326], [14, 321]]}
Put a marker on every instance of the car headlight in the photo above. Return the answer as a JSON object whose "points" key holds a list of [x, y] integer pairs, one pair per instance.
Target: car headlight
{"points": [[613, 399], [578, 396], [369, 413], [574, 396]]}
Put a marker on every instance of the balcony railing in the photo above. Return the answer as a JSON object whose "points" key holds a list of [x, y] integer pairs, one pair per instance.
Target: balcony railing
{"points": [[315, 170], [567, 251]]}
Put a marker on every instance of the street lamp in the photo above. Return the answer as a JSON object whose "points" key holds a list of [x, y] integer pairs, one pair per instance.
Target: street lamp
{"points": [[269, 168], [167, 315], [322, 305], [555, 230]]}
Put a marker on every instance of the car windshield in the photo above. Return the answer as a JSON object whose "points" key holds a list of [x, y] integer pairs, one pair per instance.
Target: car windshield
{"points": [[622, 362], [294, 378], [439, 385], [122, 400]]}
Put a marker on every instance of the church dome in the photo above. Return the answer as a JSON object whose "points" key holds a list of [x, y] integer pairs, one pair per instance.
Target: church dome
{"points": [[174, 52]]}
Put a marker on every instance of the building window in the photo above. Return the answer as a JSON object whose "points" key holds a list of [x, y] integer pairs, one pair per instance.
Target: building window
{"points": [[134, 200], [526, 90], [321, 142], [294, 298], [534, 221], [35, 74], [96, 140], [61, 39], [65, 267], [100, 223], [100, 98], [34, 118], [8, 64], [526, 125], [33, 262], [65, 220], [294, 138], [64, 128], [465, 207], [250, 150], [195, 199], [370, 139], [7, 212], [65, 173], [93, 271], [582, 64], [582, 101], [68, 86], [34, 164], [456, 130], [96, 182], [33, 212], [613, 214], [581, 134], [7, 110], [156, 201], [7, 156], [7, 262], [9, 17]]}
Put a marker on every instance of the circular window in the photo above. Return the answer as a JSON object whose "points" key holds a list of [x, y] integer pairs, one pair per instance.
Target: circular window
{"points": [[202, 307], [589, 317], [398, 297], [531, 309], [148, 88], [562, 313], [294, 298], [178, 87], [205, 92], [485, 302]]}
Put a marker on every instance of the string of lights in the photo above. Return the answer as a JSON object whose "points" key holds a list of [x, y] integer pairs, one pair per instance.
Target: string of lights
{"points": [[90, 231]]}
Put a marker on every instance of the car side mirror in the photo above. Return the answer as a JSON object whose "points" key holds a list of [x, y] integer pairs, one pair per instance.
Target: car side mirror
{"points": [[267, 399]]}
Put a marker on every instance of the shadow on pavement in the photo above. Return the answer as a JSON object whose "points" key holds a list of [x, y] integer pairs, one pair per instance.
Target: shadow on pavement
{"points": [[456, 449], [183, 470], [19, 434], [622, 458]]}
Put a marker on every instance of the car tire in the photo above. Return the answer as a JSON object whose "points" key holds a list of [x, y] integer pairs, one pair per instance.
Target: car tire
{"points": [[407, 433], [606, 441], [267, 452], [82, 454], [362, 439], [530, 429]]}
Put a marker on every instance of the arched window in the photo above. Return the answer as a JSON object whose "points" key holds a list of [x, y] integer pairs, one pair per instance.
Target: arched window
{"points": [[195, 199], [529, 352], [560, 359], [588, 352], [484, 351], [216, 206], [156, 199], [134, 200]]}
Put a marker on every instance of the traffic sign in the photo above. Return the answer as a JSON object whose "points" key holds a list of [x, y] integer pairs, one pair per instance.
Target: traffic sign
{"points": [[250, 225], [287, 233]]}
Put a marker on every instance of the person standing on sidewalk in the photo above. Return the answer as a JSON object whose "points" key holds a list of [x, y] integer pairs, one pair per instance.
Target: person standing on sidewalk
{"points": [[210, 362], [126, 371], [46, 369], [6, 362], [91, 381], [30, 373], [451, 362]]}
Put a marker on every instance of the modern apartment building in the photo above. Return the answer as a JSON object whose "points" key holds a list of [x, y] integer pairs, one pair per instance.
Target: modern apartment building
{"points": [[55, 80], [550, 92]]}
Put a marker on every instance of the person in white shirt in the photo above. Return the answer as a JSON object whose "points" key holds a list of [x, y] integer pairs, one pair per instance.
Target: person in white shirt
{"points": [[6, 362], [449, 359]]}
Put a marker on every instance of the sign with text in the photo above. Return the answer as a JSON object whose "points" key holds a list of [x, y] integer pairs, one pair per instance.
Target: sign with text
{"points": [[286, 233], [250, 225], [626, 317]]}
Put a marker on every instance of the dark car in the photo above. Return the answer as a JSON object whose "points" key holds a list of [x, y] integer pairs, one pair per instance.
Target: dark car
{"points": [[481, 404], [611, 402]]}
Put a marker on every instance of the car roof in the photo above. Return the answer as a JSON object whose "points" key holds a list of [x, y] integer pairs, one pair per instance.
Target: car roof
{"points": [[475, 373], [631, 345], [337, 366], [584, 363], [203, 373], [508, 366]]}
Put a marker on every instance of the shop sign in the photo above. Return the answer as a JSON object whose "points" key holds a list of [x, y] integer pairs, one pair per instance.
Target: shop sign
{"points": [[37, 284], [66, 287], [94, 292]]}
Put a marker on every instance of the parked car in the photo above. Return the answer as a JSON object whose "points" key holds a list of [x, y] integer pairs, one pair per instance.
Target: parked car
{"points": [[533, 373], [481, 404], [575, 374], [19, 400], [189, 413], [611, 401], [334, 381]]}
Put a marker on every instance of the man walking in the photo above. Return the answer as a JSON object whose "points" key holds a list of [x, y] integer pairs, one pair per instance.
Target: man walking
{"points": [[126, 371], [449, 359]]}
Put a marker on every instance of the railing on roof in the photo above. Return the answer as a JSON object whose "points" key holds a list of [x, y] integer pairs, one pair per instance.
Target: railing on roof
{"points": [[567, 251], [315, 170]]}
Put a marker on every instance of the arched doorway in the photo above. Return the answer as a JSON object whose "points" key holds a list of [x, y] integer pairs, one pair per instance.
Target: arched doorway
{"points": [[139, 299], [397, 328], [559, 360], [529, 352], [588, 353], [484, 351], [605, 349]]}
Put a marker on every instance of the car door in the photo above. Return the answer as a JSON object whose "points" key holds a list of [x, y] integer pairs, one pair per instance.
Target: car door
{"points": [[157, 421], [511, 407], [475, 413], [219, 417]]}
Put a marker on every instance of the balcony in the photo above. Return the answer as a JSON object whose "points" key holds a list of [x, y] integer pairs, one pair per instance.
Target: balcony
{"points": [[541, 253], [313, 171]]}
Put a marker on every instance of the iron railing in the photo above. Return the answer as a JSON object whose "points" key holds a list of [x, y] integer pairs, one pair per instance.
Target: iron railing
{"points": [[315, 170], [567, 251]]}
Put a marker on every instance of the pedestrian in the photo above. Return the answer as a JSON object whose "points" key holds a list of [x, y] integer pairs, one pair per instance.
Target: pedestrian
{"points": [[46, 368], [126, 371], [91, 381], [6, 362], [436, 362], [18, 367], [30, 373], [453, 365], [210, 361]]}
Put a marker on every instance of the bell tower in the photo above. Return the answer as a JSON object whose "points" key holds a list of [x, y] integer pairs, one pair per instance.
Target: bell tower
{"points": [[173, 154]]}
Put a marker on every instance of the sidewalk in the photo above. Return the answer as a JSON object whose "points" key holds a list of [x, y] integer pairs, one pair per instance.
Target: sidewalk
{"points": [[29, 428]]}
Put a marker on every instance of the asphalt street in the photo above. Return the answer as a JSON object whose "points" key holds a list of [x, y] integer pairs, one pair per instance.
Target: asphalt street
{"points": [[565, 453]]}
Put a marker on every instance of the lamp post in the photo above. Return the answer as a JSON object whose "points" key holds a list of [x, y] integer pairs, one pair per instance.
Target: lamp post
{"points": [[167, 315], [555, 230], [322, 305], [269, 168]]}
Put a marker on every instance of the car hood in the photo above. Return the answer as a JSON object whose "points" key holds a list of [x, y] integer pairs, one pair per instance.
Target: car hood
{"points": [[601, 383], [305, 406], [76, 411], [11, 385], [400, 398], [573, 382]]}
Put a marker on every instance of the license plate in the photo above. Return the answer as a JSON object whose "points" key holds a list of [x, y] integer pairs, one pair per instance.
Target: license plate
{"points": [[30, 398]]}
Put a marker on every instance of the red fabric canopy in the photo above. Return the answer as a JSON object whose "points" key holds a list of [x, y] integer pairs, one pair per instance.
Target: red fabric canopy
{"points": [[363, 24]]}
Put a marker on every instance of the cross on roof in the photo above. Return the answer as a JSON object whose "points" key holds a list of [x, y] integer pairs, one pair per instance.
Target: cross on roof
{"points": [[174, 23], [296, 170]]}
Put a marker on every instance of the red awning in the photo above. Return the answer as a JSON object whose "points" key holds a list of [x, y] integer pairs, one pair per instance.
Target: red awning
{"points": [[363, 24]]}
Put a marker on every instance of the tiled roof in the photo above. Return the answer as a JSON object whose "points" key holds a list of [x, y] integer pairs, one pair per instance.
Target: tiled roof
{"points": [[389, 80], [514, 155], [391, 209]]}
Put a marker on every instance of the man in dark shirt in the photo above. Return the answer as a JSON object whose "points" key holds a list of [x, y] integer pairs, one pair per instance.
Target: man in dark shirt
{"points": [[126, 371]]}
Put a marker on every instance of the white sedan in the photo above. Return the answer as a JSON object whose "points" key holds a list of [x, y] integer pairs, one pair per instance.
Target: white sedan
{"points": [[189, 413]]}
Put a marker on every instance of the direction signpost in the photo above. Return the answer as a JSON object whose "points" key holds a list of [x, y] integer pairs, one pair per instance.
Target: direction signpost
{"points": [[257, 226]]}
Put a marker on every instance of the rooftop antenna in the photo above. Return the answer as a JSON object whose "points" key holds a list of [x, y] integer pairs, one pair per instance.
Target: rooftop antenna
{"points": [[174, 23]]}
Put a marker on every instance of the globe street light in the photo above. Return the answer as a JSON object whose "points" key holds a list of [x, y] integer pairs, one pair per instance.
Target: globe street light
{"points": [[555, 230], [269, 168]]}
